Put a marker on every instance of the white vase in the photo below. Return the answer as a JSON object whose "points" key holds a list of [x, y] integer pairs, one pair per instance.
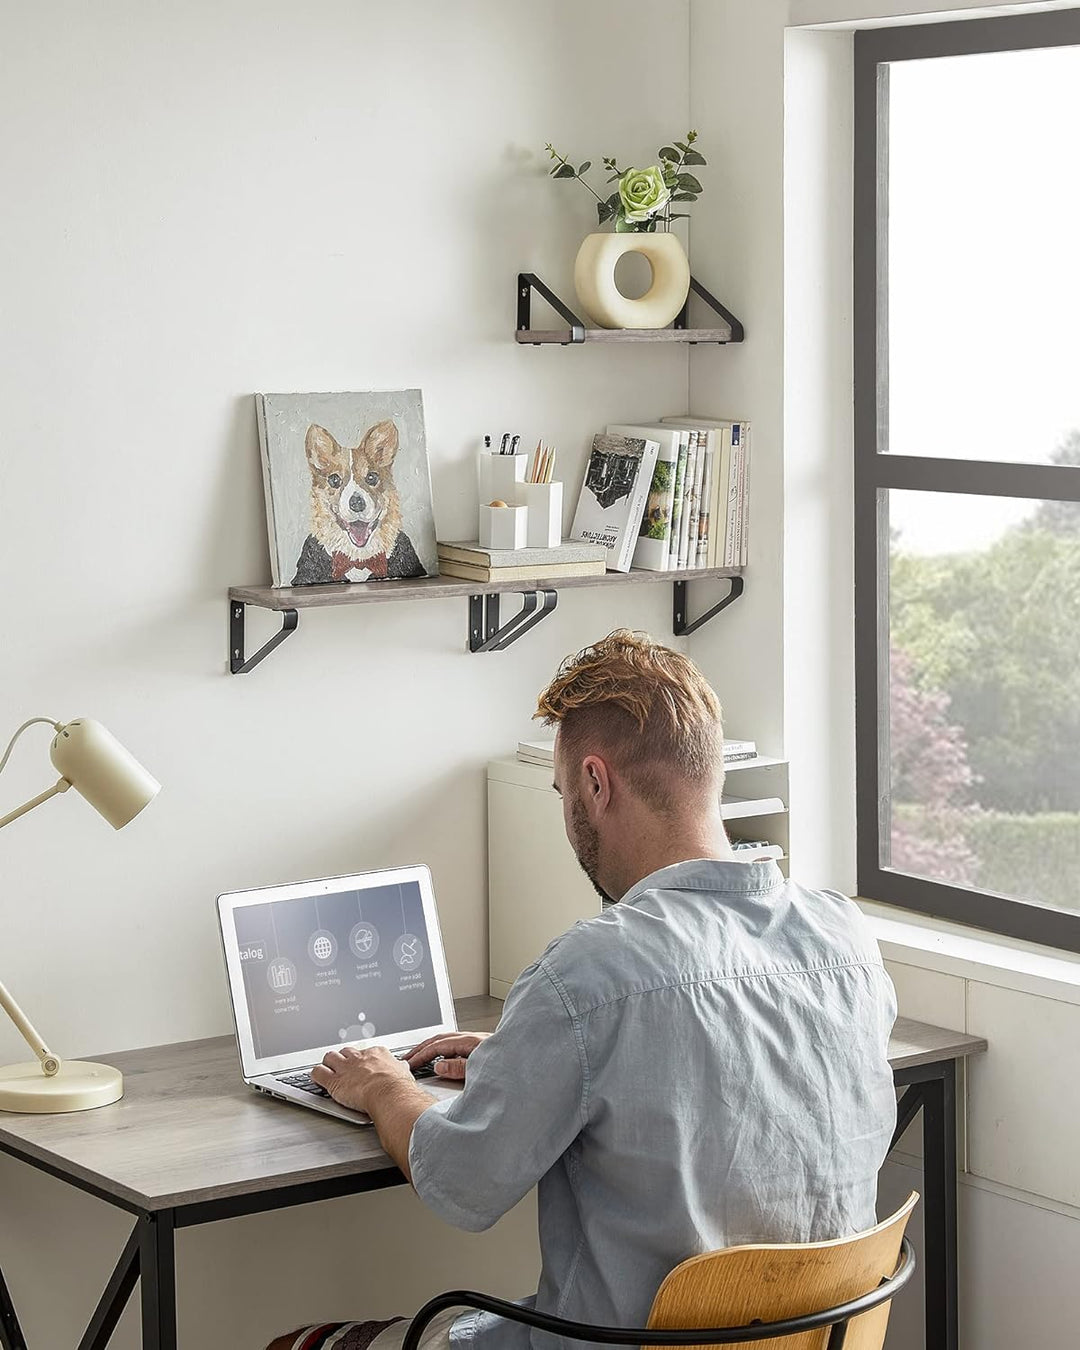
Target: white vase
{"points": [[594, 279]]}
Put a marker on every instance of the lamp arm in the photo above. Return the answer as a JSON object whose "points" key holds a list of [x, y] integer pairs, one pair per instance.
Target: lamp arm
{"points": [[61, 785], [50, 1063]]}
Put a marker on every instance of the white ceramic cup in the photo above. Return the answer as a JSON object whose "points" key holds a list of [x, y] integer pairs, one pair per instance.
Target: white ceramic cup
{"points": [[544, 500], [503, 526], [500, 476]]}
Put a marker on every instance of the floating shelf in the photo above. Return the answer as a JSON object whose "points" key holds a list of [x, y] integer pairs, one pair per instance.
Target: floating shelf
{"points": [[730, 330], [486, 634]]}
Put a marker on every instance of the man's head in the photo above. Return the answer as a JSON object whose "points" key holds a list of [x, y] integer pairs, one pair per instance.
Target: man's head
{"points": [[638, 756]]}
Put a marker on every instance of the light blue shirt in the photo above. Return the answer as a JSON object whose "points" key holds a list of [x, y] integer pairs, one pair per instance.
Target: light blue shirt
{"points": [[701, 1065]]}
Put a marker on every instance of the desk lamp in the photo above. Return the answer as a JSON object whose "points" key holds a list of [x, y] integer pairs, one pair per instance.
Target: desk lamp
{"points": [[92, 761]]}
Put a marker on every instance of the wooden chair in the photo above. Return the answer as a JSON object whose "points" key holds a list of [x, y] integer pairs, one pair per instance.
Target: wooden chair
{"points": [[800, 1296]]}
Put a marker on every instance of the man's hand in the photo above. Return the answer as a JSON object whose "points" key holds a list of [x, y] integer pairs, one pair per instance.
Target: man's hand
{"points": [[355, 1077], [450, 1049]]}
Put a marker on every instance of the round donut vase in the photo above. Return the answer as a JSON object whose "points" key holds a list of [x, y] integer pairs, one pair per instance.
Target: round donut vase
{"points": [[594, 279]]}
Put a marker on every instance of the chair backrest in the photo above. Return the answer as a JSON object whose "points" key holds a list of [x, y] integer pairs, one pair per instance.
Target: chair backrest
{"points": [[765, 1283]]}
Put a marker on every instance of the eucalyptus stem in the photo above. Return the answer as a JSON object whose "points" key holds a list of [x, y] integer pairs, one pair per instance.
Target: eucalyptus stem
{"points": [[563, 160]]}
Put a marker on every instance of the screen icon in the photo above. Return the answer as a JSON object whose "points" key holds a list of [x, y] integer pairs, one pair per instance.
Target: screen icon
{"points": [[322, 947], [281, 975], [364, 941], [408, 951]]}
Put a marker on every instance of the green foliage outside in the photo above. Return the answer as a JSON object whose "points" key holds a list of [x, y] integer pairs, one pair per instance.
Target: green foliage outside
{"points": [[985, 715]]}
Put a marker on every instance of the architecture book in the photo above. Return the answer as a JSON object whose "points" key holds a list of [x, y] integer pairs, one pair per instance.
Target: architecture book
{"points": [[618, 477], [653, 551]]}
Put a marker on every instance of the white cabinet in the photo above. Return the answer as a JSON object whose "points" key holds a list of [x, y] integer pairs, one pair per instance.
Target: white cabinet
{"points": [[536, 888]]}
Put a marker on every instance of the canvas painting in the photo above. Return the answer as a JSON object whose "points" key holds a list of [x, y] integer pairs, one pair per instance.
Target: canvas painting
{"points": [[348, 491]]}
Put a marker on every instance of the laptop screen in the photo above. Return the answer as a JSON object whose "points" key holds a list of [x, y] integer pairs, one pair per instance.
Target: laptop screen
{"points": [[337, 966]]}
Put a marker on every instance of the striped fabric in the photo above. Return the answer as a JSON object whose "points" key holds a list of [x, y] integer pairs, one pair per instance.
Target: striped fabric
{"points": [[341, 1335]]}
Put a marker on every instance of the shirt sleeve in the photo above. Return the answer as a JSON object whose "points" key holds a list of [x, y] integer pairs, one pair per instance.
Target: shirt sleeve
{"points": [[523, 1105]]}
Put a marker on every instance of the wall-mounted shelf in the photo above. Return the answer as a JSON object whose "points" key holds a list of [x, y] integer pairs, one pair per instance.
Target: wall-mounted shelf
{"points": [[485, 631], [729, 330]]}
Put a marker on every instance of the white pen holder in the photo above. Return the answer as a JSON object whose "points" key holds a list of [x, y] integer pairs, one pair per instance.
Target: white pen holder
{"points": [[500, 476], [503, 526], [544, 501]]}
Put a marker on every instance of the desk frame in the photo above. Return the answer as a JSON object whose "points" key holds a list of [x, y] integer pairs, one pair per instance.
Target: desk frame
{"points": [[148, 1256]]}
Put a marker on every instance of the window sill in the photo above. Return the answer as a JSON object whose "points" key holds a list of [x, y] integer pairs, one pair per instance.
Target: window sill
{"points": [[934, 944]]}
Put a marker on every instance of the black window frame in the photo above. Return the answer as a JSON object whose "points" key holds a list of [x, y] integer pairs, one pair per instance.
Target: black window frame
{"points": [[877, 471]]}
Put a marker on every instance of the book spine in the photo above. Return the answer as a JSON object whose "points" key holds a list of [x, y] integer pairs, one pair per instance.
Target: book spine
{"points": [[706, 503], [730, 553], [745, 551], [624, 549], [695, 501], [740, 503], [718, 523], [677, 501], [688, 498]]}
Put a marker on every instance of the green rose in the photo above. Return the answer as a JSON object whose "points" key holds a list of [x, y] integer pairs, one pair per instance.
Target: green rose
{"points": [[643, 193]]}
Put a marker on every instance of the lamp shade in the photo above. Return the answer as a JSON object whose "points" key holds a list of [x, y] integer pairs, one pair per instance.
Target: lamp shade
{"points": [[95, 763]]}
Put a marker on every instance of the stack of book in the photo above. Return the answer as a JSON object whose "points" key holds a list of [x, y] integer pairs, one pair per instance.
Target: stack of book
{"points": [[668, 496], [468, 560], [542, 751]]}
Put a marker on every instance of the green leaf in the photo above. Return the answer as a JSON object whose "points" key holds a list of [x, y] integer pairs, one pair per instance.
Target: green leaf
{"points": [[614, 200], [684, 196], [682, 147], [622, 225], [666, 152], [679, 215], [564, 171], [604, 211], [694, 157], [584, 168], [614, 177], [688, 183]]}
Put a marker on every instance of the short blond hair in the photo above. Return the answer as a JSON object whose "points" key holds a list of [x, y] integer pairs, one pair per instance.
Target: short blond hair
{"points": [[641, 705]]}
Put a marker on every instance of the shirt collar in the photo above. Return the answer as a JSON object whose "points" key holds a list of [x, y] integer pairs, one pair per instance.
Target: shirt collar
{"points": [[709, 874]]}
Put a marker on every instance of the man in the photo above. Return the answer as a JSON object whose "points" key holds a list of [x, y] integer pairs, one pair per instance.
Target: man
{"points": [[701, 1065]]}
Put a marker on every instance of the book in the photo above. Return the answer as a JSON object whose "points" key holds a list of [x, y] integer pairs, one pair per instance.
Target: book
{"points": [[677, 499], [688, 494], [654, 536], [741, 431], [733, 748], [736, 551], [617, 481], [470, 551], [733, 808], [695, 499], [758, 849], [451, 567], [348, 492], [706, 491], [739, 758], [540, 751]]}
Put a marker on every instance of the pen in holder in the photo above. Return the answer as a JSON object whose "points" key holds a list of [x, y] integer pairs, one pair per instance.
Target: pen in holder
{"points": [[544, 503], [500, 476], [502, 526]]}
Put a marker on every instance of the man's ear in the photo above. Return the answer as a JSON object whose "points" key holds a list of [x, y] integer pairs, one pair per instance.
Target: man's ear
{"points": [[380, 444], [595, 783], [322, 450]]}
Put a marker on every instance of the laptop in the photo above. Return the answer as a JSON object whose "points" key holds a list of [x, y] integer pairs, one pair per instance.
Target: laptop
{"points": [[316, 965]]}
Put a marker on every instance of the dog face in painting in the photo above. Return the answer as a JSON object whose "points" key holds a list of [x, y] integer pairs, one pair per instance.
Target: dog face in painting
{"points": [[356, 522]]}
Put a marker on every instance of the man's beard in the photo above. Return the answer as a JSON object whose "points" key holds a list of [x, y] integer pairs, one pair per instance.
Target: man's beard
{"points": [[586, 843]]}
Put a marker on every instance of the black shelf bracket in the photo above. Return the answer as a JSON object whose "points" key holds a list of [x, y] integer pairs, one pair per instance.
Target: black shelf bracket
{"points": [[683, 627], [238, 663], [485, 632], [737, 332], [529, 282]]}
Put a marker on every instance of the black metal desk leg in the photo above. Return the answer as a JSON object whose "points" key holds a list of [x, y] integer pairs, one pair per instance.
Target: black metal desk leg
{"points": [[157, 1274], [11, 1337], [939, 1227]]}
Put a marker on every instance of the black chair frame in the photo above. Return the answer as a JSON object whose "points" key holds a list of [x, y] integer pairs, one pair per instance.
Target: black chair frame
{"points": [[837, 1318]]}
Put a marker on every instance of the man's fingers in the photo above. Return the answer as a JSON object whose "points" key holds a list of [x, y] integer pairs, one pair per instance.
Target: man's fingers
{"points": [[450, 1068], [449, 1046], [321, 1074]]}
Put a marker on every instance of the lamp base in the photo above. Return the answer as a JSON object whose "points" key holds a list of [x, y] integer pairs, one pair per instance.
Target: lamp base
{"points": [[79, 1086]]}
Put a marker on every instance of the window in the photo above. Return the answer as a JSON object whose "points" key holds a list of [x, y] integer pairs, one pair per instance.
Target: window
{"points": [[967, 471]]}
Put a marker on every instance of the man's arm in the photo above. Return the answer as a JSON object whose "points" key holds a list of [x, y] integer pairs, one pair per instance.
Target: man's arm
{"points": [[379, 1083]]}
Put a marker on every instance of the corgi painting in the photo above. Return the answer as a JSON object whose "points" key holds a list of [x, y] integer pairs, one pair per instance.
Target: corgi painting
{"points": [[347, 487]]}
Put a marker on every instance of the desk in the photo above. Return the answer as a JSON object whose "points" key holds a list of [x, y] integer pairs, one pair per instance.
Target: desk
{"points": [[189, 1144]]}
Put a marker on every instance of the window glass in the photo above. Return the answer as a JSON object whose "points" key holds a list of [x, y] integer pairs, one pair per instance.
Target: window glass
{"points": [[983, 263], [981, 775]]}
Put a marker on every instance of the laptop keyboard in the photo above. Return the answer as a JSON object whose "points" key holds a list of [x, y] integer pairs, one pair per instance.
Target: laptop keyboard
{"points": [[303, 1080]]}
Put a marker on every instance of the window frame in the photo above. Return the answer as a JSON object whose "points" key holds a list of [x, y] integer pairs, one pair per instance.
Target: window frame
{"points": [[877, 471]]}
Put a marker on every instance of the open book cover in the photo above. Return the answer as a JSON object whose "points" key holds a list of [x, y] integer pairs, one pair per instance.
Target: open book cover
{"points": [[617, 481]]}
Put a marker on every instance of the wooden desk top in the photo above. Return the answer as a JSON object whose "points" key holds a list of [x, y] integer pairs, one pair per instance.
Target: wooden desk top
{"points": [[188, 1130]]}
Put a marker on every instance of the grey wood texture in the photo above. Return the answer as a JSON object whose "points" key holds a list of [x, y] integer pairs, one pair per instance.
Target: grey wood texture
{"points": [[188, 1129], [539, 336], [439, 588]]}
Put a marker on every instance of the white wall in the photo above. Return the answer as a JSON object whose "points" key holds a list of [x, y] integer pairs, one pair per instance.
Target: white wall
{"points": [[201, 201]]}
